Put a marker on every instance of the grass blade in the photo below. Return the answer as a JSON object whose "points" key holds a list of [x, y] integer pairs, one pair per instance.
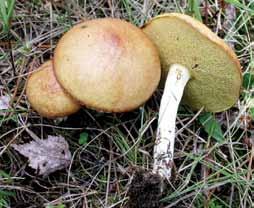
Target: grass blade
{"points": [[10, 9], [194, 9]]}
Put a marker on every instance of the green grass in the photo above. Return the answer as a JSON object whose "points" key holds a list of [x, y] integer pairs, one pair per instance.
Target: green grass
{"points": [[6, 11], [194, 9], [5, 195], [213, 152]]}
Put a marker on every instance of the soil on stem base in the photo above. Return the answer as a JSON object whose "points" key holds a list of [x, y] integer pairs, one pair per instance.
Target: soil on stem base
{"points": [[145, 190]]}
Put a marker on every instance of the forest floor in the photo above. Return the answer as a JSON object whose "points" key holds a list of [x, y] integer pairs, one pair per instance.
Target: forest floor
{"points": [[214, 161]]}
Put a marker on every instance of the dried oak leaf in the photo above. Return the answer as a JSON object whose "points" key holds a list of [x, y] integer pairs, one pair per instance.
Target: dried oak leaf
{"points": [[46, 156]]}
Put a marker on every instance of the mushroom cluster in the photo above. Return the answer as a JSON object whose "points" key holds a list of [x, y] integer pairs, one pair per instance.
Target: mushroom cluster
{"points": [[104, 64], [111, 65]]}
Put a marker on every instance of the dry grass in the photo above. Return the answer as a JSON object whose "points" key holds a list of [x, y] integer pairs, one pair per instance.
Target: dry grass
{"points": [[206, 173]]}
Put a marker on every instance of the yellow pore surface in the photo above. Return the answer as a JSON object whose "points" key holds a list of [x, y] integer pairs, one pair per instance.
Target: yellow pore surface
{"points": [[215, 70]]}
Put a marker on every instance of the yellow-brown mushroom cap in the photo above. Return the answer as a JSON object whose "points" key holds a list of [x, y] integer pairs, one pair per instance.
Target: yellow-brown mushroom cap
{"points": [[215, 70], [107, 64], [46, 96]]}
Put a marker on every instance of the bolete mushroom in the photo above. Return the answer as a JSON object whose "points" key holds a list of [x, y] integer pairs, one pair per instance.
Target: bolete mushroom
{"points": [[107, 64], [46, 96], [190, 54], [197, 65]]}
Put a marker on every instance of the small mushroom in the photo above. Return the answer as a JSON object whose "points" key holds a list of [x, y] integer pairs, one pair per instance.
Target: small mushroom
{"points": [[46, 96], [197, 65], [107, 64]]}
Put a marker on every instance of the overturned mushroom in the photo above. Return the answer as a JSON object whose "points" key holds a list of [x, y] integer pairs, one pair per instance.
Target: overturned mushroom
{"points": [[196, 64], [46, 96], [190, 54]]}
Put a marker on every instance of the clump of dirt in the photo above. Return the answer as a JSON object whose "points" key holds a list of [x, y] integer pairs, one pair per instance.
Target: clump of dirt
{"points": [[145, 190]]}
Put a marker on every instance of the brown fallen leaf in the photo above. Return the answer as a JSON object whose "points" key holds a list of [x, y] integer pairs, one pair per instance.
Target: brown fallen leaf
{"points": [[46, 155]]}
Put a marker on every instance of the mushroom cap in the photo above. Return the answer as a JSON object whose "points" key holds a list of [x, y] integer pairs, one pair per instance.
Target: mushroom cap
{"points": [[107, 64], [214, 68], [46, 96]]}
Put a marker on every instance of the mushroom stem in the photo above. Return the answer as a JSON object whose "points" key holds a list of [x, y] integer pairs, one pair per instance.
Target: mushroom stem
{"points": [[177, 78]]}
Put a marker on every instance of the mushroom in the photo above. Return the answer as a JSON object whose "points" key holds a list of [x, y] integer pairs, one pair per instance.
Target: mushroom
{"points": [[197, 65], [107, 64], [46, 96]]}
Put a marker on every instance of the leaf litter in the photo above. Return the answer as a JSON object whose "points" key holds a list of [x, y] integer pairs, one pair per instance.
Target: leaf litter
{"points": [[46, 155]]}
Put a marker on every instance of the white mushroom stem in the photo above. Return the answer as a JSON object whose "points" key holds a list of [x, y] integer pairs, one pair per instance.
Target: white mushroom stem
{"points": [[177, 78]]}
